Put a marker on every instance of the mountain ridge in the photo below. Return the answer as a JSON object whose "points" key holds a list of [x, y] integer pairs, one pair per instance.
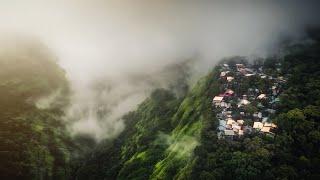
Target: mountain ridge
{"points": [[185, 144]]}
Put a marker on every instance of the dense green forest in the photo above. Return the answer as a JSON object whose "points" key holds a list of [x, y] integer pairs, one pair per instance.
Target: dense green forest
{"points": [[34, 142], [168, 136], [176, 138]]}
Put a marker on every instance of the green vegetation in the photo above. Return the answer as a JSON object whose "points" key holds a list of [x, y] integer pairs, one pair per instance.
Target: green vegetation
{"points": [[294, 152], [34, 143], [159, 139], [176, 138], [167, 137]]}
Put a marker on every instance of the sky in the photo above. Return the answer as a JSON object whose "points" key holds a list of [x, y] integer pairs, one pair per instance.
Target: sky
{"points": [[116, 52]]}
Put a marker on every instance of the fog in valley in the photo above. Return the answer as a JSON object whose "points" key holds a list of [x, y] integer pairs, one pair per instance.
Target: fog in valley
{"points": [[116, 52]]}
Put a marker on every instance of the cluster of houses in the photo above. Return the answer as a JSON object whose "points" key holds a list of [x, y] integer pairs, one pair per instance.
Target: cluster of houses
{"points": [[247, 101]]}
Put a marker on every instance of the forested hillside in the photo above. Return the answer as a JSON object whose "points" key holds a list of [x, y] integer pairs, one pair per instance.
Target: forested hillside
{"points": [[176, 138], [34, 143], [158, 142]]}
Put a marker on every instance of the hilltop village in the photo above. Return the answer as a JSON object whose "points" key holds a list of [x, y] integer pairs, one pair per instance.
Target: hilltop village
{"points": [[248, 99]]}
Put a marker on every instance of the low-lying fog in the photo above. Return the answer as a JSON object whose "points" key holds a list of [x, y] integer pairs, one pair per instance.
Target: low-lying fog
{"points": [[116, 52]]}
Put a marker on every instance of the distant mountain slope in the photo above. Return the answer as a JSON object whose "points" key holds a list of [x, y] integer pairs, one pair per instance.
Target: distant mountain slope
{"points": [[34, 144]]}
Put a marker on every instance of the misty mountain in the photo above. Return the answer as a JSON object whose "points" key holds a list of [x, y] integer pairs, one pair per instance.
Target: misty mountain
{"points": [[159, 89], [34, 140], [173, 133], [169, 137]]}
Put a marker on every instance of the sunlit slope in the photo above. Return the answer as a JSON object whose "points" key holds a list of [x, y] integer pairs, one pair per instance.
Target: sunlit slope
{"points": [[189, 120], [159, 139]]}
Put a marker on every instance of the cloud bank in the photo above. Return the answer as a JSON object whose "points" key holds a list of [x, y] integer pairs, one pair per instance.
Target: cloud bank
{"points": [[116, 52]]}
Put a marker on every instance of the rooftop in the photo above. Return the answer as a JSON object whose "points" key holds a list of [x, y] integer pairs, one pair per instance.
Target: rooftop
{"points": [[229, 132]]}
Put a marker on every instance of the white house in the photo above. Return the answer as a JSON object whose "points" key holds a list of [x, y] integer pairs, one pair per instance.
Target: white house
{"points": [[249, 75], [262, 96], [228, 132], [230, 121], [240, 132], [224, 73], [257, 125], [217, 100], [243, 102], [230, 78], [240, 121], [265, 129]]}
